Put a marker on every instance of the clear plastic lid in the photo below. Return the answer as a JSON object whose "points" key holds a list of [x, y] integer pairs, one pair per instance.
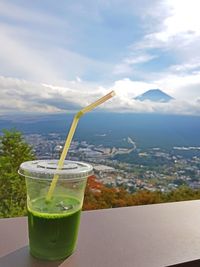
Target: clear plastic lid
{"points": [[46, 169]]}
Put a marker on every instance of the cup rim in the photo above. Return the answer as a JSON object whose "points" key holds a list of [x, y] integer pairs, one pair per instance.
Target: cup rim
{"points": [[43, 170]]}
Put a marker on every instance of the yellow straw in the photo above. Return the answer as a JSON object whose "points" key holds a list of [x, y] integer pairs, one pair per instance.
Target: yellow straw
{"points": [[70, 136]]}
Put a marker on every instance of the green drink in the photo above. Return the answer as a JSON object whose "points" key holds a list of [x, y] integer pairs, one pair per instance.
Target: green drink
{"points": [[53, 234], [53, 223]]}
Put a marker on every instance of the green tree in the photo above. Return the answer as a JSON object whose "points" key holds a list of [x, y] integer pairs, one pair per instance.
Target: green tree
{"points": [[13, 151], [181, 194]]}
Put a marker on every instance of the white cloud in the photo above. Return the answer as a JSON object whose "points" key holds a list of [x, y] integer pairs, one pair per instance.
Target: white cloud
{"points": [[23, 96], [177, 29], [184, 19], [181, 86], [193, 65], [172, 107], [185, 90], [129, 89], [127, 64]]}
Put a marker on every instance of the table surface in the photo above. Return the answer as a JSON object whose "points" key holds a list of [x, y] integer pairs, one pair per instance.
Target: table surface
{"points": [[143, 236]]}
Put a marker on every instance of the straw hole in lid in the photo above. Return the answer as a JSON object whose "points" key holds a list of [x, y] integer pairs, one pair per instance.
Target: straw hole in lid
{"points": [[54, 166]]}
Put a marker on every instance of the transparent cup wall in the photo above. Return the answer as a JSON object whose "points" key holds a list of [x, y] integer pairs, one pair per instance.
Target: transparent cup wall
{"points": [[37, 187]]}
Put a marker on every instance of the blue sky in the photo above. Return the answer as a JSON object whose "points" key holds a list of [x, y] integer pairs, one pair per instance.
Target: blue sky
{"points": [[72, 52]]}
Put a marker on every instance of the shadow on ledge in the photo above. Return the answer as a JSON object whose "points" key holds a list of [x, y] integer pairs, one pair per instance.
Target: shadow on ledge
{"points": [[195, 263], [22, 258]]}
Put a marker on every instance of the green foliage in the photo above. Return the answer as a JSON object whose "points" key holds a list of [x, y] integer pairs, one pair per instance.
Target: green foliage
{"points": [[181, 194], [13, 151]]}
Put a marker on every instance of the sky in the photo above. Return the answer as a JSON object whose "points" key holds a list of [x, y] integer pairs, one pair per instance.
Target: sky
{"points": [[59, 56]]}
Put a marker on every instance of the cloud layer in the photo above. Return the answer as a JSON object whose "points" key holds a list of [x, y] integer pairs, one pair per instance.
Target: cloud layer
{"points": [[25, 97]]}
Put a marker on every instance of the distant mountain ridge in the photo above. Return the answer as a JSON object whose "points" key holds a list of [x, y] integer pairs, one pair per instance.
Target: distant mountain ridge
{"points": [[154, 95], [110, 129]]}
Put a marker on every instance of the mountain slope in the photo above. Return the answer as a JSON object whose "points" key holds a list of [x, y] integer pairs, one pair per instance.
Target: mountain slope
{"points": [[155, 95]]}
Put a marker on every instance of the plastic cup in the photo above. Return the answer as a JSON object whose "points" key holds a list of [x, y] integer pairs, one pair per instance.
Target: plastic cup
{"points": [[53, 225]]}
